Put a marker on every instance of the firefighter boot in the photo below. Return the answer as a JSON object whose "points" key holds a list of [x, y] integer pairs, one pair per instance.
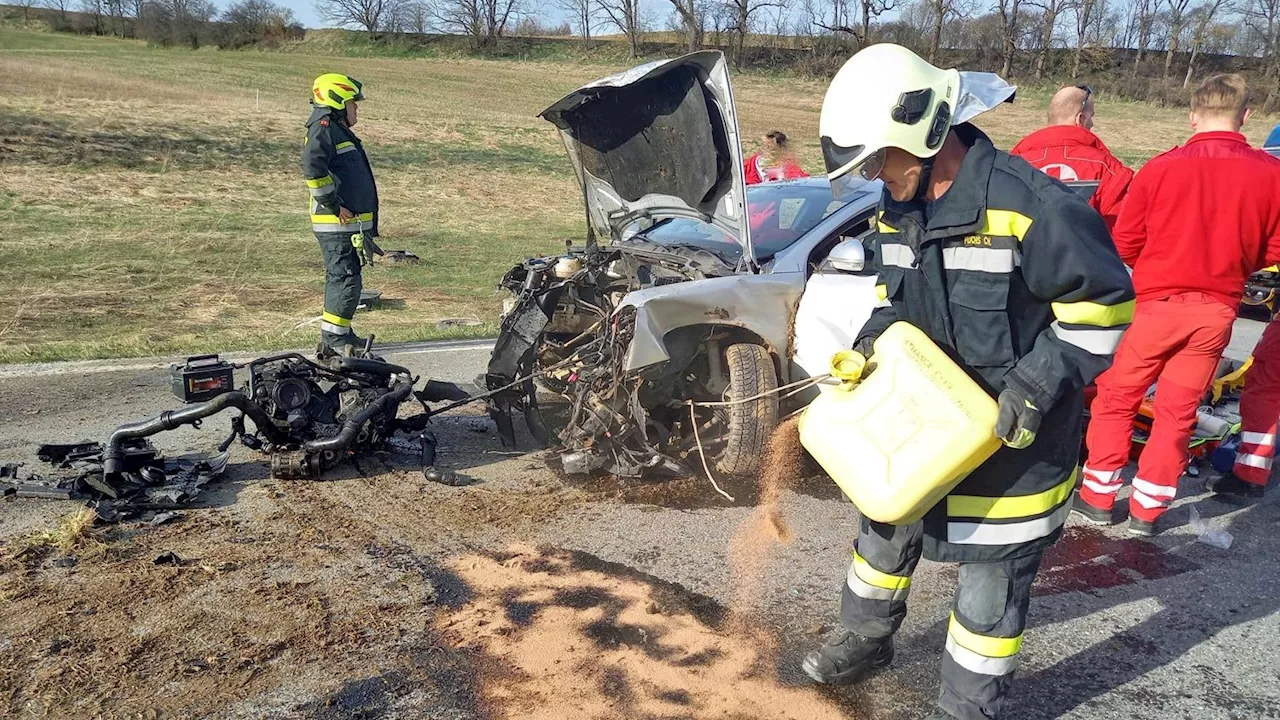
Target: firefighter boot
{"points": [[846, 657]]}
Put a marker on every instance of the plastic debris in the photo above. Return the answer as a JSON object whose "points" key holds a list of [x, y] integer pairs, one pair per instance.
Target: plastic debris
{"points": [[1207, 534]]}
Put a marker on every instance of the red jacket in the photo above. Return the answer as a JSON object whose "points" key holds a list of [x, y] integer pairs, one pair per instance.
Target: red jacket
{"points": [[1071, 153], [1201, 217], [757, 172]]}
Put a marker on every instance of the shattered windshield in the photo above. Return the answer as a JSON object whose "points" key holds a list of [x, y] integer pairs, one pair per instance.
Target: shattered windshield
{"points": [[780, 214]]}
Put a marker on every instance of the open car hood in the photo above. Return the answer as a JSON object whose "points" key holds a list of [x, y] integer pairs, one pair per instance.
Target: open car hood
{"points": [[659, 140]]}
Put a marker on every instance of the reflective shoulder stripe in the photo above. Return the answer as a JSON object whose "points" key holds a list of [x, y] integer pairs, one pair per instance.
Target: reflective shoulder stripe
{"points": [[897, 255], [1093, 340], [320, 182], [1006, 222], [345, 147], [1007, 507], [980, 259], [980, 533], [882, 292], [1096, 314]]}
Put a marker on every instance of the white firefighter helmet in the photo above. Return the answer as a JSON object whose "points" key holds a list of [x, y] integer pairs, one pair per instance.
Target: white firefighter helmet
{"points": [[884, 96]]}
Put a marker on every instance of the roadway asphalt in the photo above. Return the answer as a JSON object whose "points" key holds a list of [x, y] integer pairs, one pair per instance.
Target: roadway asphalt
{"points": [[1120, 627]]}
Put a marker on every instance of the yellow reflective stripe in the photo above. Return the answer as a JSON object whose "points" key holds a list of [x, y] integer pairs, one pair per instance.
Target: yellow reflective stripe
{"points": [[329, 317], [882, 292], [365, 217], [1005, 223], [342, 145], [872, 576], [1092, 313], [992, 647], [1011, 506], [882, 227], [320, 182]]}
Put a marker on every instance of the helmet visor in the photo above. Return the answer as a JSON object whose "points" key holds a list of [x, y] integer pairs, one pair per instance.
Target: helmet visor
{"points": [[838, 158]]}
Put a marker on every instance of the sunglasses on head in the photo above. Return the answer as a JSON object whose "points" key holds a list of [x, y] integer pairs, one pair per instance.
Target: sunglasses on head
{"points": [[1088, 92]]}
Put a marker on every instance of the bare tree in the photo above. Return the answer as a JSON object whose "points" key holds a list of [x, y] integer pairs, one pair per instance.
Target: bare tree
{"points": [[742, 14], [851, 18], [485, 21], [368, 14], [1010, 29], [1263, 18], [625, 15], [584, 14], [1202, 18], [25, 6], [1084, 13], [415, 17], [59, 6], [1146, 12], [1051, 11], [942, 11], [1177, 23], [93, 9], [691, 16]]}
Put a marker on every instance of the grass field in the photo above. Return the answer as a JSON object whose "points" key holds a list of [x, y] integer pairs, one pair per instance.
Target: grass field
{"points": [[154, 204]]}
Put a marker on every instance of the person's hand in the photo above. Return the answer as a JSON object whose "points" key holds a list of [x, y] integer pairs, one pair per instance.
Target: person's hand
{"points": [[345, 215], [1018, 420]]}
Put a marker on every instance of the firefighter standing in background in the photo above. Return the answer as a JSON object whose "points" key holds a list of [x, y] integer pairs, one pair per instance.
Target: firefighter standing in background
{"points": [[344, 204], [1068, 150], [1197, 222], [1015, 277]]}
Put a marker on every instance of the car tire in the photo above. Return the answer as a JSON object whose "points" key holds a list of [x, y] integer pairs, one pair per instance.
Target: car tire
{"points": [[751, 424]]}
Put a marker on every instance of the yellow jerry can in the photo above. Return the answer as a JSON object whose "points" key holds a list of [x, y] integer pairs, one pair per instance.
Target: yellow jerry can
{"points": [[901, 439]]}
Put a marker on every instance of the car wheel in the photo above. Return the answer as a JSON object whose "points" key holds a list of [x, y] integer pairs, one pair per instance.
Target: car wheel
{"points": [[750, 424]]}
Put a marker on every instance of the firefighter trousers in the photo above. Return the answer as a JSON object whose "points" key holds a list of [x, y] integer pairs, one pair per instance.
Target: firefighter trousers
{"points": [[342, 285], [1176, 341], [984, 632], [1259, 409]]}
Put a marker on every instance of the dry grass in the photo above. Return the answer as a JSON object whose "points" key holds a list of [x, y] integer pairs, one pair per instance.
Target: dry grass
{"points": [[154, 205], [75, 534]]}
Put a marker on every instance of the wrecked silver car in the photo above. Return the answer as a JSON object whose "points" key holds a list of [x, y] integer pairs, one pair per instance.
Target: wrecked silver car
{"points": [[669, 331]]}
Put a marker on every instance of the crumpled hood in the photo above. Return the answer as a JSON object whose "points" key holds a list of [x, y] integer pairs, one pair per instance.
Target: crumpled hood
{"points": [[659, 140]]}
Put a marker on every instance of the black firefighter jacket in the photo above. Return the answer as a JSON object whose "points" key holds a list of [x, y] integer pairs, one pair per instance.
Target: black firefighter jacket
{"points": [[338, 174], [1016, 278]]}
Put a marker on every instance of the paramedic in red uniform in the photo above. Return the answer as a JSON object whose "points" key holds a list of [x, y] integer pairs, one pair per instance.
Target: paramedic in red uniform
{"points": [[1198, 220], [1259, 410], [1068, 150]]}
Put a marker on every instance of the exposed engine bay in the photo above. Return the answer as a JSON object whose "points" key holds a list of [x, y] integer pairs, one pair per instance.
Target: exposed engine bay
{"points": [[307, 415], [567, 333]]}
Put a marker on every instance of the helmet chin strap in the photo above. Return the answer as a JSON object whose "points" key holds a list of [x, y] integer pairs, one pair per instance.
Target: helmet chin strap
{"points": [[926, 170]]}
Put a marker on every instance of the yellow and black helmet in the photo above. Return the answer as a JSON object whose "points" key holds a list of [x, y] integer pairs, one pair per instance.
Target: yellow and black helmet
{"points": [[335, 90]]}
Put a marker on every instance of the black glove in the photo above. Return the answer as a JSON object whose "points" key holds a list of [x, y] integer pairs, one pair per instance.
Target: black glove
{"points": [[865, 345], [1018, 420]]}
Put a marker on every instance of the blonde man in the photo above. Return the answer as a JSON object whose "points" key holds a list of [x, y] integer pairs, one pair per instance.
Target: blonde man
{"points": [[1198, 220]]}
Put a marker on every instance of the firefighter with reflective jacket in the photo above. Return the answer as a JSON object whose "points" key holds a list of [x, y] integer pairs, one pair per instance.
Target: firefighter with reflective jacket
{"points": [[344, 203], [1015, 277]]}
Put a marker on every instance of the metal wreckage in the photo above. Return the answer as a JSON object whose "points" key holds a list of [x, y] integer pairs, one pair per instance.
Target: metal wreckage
{"points": [[308, 415], [640, 340]]}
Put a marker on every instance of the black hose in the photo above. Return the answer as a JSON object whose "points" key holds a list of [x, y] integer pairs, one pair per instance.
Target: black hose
{"points": [[173, 419], [351, 428], [372, 367]]}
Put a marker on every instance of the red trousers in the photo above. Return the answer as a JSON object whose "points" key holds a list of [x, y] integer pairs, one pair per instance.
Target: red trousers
{"points": [[1178, 342], [1259, 409]]}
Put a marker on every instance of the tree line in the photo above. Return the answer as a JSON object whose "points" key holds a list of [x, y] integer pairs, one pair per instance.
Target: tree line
{"points": [[189, 23]]}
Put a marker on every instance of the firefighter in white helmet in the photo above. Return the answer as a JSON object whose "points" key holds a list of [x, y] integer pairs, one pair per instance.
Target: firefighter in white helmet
{"points": [[1015, 277]]}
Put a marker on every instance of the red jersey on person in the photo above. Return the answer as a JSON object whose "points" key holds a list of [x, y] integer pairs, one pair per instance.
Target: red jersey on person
{"points": [[758, 170], [1072, 154], [1201, 218]]}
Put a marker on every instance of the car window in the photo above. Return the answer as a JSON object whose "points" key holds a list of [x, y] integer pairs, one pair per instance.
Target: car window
{"points": [[780, 214]]}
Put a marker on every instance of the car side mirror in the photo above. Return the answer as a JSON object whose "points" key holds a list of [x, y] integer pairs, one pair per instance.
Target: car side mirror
{"points": [[849, 256]]}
